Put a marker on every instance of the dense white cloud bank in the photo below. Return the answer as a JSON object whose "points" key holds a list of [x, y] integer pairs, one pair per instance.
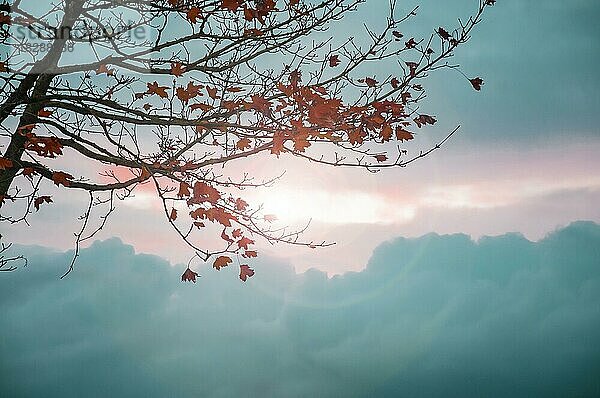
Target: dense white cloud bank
{"points": [[437, 316]]}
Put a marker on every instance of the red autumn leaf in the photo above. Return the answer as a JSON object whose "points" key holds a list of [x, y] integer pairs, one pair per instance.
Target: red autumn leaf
{"points": [[295, 77], [41, 199], [245, 272], [386, 133], [395, 82], [443, 33], [184, 189], [226, 237], [212, 92], [3, 67], [61, 178], [237, 233], [397, 35], [103, 68], [193, 14], [221, 261], [189, 275], [476, 83], [205, 193], [243, 143], [44, 113], [187, 93], [154, 88], [334, 61], [411, 43], [240, 204], [177, 69], [370, 82], [5, 163], [244, 242], [44, 146], [202, 106], [424, 120], [403, 135], [231, 5], [173, 215], [381, 157], [270, 217], [234, 89], [249, 253], [214, 214], [28, 171], [412, 66]]}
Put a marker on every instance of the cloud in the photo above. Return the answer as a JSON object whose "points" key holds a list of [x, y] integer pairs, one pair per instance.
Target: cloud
{"points": [[431, 316]]}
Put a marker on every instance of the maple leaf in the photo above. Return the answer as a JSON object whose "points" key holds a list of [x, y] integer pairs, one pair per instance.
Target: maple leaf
{"points": [[334, 61], [41, 199], [397, 35], [5, 163], [411, 43], [370, 82], [395, 82], [28, 171], [3, 67], [193, 14], [403, 135], [244, 242], [44, 113], [386, 133], [44, 146], [270, 217], [231, 5], [424, 119], [250, 253], [240, 204], [412, 66], [381, 157], [219, 215], [184, 189], [212, 92], [221, 261], [295, 77], [173, 215], [177, 69], [189, 275], [443, 33], [243, 143], [154, 88], [204, 107], [60, 177], [103, 68], [237, 233], [226, 237], [476, 82], [205, 193], [245, 272]]}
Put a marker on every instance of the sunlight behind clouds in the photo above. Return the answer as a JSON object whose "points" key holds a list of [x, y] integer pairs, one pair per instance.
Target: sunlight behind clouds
{"points": [[335, 207]]}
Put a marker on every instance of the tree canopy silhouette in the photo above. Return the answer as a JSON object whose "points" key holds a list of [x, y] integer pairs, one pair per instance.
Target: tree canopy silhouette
{"points": [[104, 96]]}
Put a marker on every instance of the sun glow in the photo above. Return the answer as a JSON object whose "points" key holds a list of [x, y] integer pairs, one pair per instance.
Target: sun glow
{"points": [[296, 206]]}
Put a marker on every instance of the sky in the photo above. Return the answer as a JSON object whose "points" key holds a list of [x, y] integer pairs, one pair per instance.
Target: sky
{"points": [[469, 273], [525, 158]]}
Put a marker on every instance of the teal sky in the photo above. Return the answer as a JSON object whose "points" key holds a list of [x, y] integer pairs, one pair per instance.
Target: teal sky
{"points": [[459, 276]]}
